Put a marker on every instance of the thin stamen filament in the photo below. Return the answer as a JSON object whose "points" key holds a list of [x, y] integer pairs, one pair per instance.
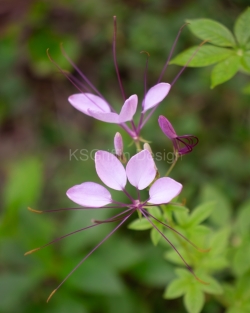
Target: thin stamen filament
{"points": [[97, 246]]}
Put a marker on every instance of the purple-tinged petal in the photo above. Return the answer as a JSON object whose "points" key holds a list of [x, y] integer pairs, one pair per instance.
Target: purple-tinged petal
{"points": [[164, 190], [167, 127], [155, 95], [105, 117], [90, 195], [86, 101], [118, 143], [186, 143], [128, 109], [110, 170], [141, 169]]}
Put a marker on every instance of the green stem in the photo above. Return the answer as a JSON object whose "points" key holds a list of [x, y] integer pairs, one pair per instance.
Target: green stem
{"points": [[173, 164]]}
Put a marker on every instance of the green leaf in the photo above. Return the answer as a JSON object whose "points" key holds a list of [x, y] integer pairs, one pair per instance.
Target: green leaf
{"points": [[216, 33], [175, 289], [225, 70], [222, 214], [242, 224], [155, 235], [245, 62], [182, 217], [241, 27], [213, 286], [201, 212], [140, 224], [194, 299], [206, 55]]}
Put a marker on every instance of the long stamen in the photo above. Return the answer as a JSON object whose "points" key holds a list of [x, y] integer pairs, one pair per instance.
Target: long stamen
{"points": [[174, 230], [60, 238], [189, 60], [115, 61], [115, 218], [187, 265], [127, 194], [145, 88], [119, 206], [79, 72], [97, 246], [171, 52]]}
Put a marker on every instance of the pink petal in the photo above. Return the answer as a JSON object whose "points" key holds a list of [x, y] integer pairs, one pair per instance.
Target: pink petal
{"points": [[89, 195], [128, 110], [167, 127], [85, 101], [105, 117], [164, 190], [141, 169], [155, 95], [110, 170]]}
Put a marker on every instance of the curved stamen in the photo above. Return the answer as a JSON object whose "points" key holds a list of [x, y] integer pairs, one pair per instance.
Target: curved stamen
{"points": [[80, 73], [60, 238], [188, 61], [174, 230], [145, 90], [171, 52], [170, 243], [115, 61], [97, 246]]}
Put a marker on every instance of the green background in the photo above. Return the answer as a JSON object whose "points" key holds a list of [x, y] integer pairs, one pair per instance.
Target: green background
{"points": [[39, 129]]}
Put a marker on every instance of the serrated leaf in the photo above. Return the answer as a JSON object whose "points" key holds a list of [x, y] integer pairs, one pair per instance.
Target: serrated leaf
{"points": [[201, 212], [140, 224], [225, 70], [194, 299], [206, 55], [216, 33], [241, 27], [175, 289]]}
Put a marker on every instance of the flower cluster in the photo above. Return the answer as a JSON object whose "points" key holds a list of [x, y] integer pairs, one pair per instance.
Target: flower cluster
{"points": [[140, 170]]}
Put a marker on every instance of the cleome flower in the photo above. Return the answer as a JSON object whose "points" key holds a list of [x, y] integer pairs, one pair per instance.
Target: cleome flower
{"points": [[140, 171], [182, 144]]}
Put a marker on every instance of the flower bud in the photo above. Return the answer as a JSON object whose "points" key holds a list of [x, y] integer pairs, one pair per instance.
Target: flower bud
{"points": [[118, 143]]}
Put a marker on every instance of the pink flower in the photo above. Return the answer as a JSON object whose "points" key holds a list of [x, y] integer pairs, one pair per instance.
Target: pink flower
{"points": [[182, 144], [140, 172]]}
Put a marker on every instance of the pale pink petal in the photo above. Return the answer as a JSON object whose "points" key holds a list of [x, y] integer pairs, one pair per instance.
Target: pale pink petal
{"points": [[85, 101], [128, 110], [105, 117], [89, 195], [110, 170], [141, 169], [164, 190], [155, 95], [167, 127]]}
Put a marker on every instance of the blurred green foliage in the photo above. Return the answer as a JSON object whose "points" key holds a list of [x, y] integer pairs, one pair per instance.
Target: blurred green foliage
{"points": [[39, 130]]}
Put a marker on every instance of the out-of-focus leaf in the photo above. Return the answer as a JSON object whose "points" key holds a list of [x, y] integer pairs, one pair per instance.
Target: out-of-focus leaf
{"points": [[245, 62], [175, 289], [22, 189], [241, 27], [194, 299], [140, 224], [216, 33], [155, 235], [206, 55], [225, 70], [242, 224], [200, 213], [221, 215], [13, 287]]}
